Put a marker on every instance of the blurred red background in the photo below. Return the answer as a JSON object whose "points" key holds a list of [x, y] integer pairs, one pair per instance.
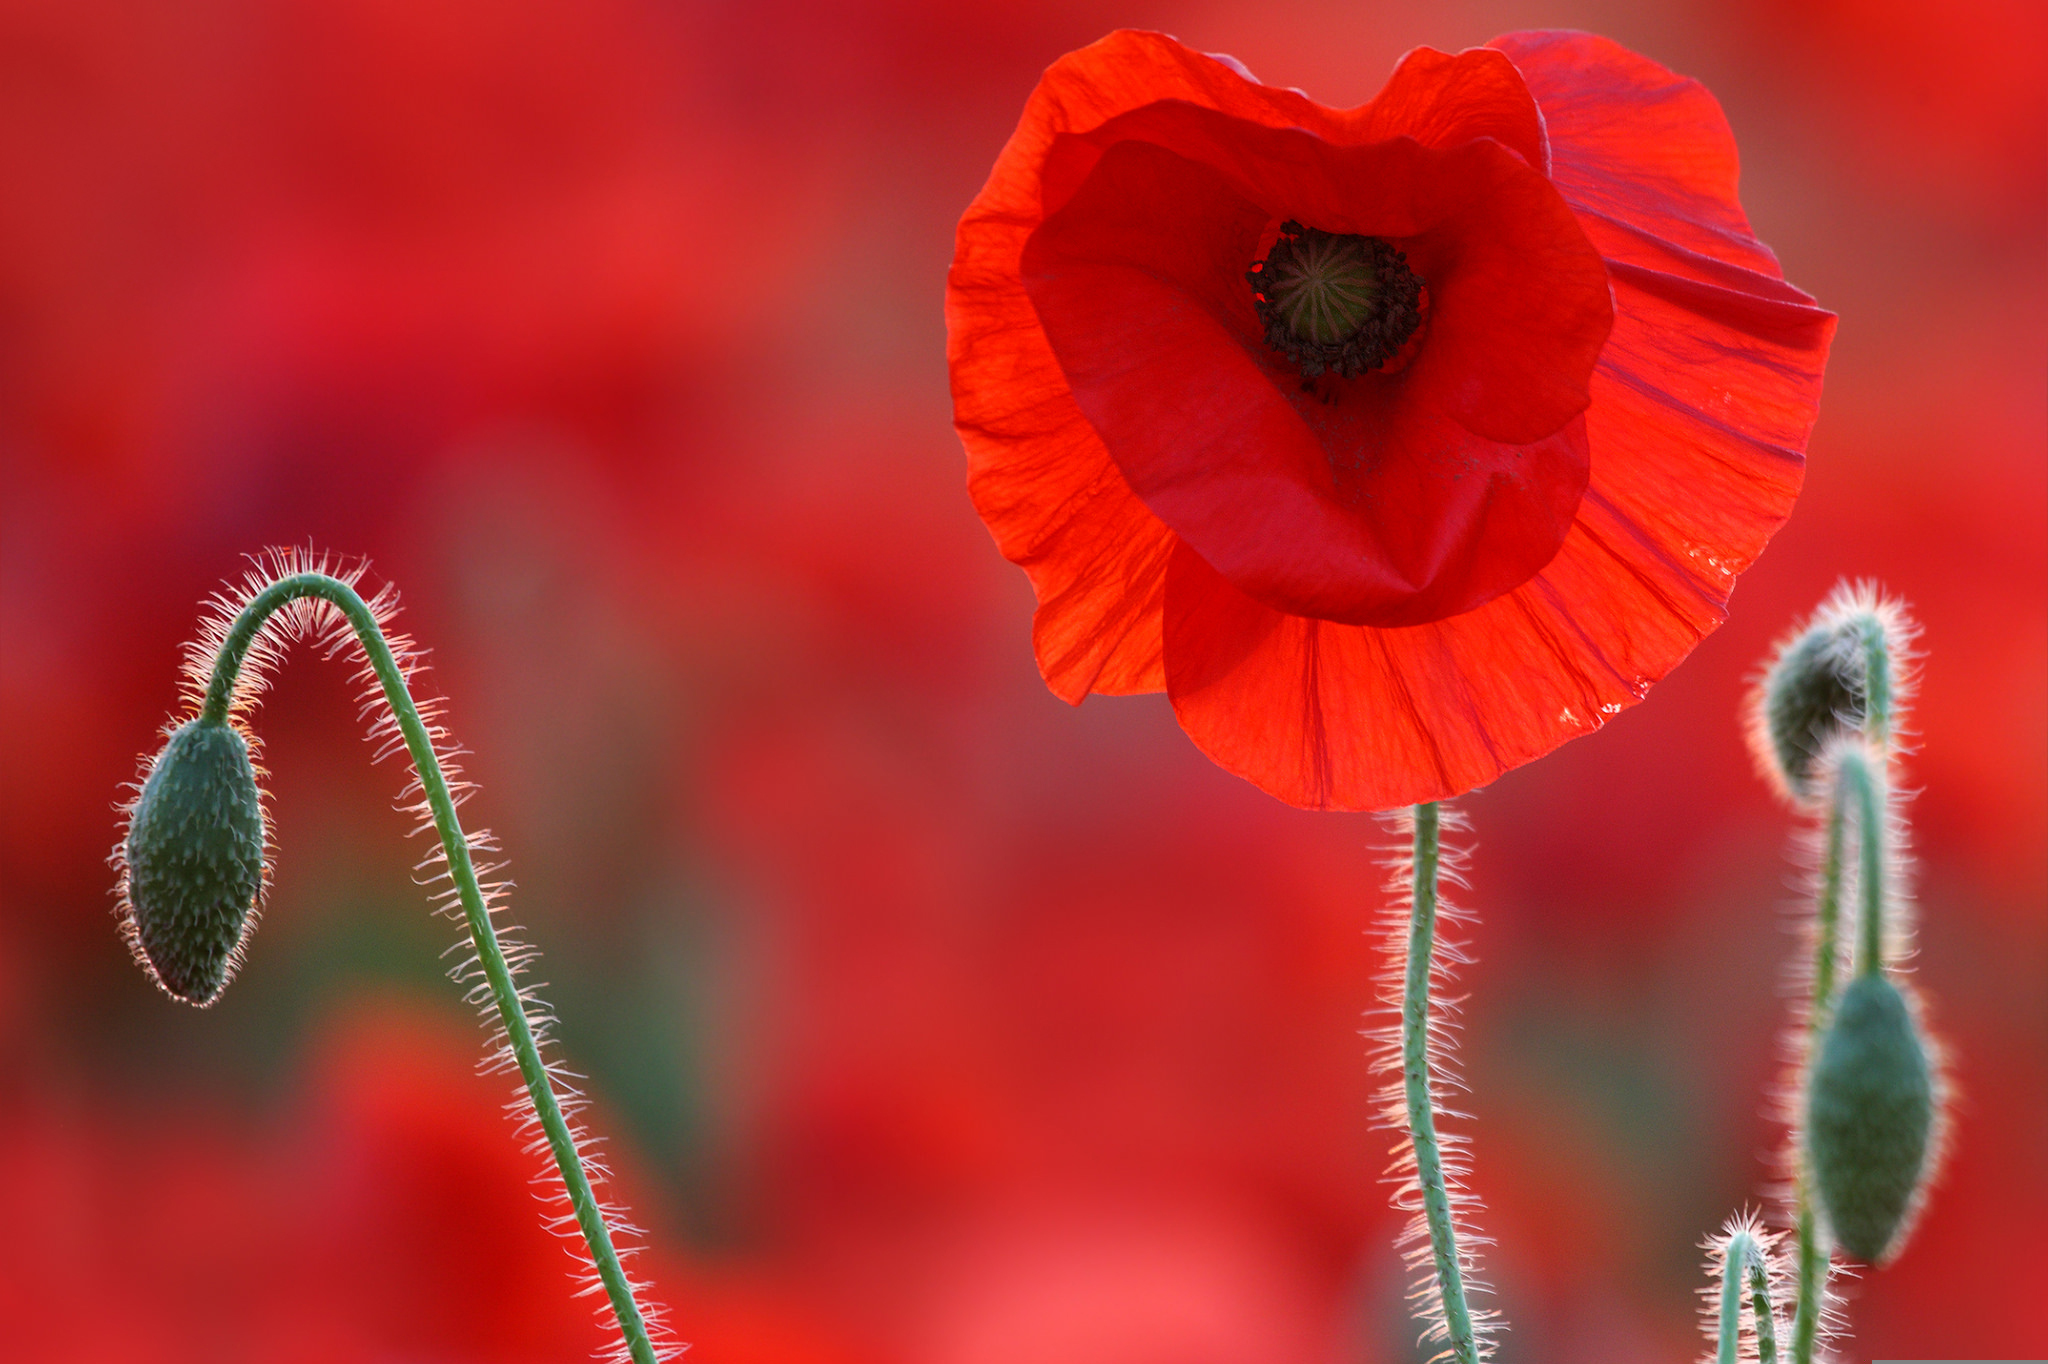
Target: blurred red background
{"points": [[930, 1021]]}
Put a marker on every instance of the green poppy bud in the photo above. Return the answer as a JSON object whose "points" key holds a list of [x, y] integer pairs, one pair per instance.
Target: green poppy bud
{"points": [[1813, 692], [1870, 1117], [1819, 684], [195, 860]]}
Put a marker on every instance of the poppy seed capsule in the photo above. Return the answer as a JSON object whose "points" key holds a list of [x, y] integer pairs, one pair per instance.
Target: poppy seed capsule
{"points": [[1814, 691], [1870, 1116], [1338, 304], [195, 859]]}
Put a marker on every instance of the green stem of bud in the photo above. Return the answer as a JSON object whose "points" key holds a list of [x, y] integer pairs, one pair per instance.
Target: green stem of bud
{"points": [[1764, 1311], [1877, 685], [455, 844], [1856, 788], [1812, 1255], [1743, 1263], [1859, 784], [1827, 919], [1812, 1271], [1429, 1169]]}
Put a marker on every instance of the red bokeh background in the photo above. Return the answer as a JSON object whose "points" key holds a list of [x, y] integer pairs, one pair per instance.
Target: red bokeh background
{"points": [[930, 1020]]}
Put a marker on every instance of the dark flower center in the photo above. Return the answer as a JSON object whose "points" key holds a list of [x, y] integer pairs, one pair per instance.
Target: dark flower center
{"points": [[1337, 304]]}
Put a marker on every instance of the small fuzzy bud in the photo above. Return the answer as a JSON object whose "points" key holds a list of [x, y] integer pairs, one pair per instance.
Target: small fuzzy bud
{"points": [[1820, 685], [195, 859], [1813, 692], [1870, 1117]]}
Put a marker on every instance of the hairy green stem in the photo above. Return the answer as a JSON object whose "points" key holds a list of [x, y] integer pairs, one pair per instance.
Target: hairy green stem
{"points": [[1429, 1166], [1827, 921], [1811, 1269], [518, 1032], [1763, 1310], [1856, 789], [1858, 784], [1743, 1264], [1877, 685]]}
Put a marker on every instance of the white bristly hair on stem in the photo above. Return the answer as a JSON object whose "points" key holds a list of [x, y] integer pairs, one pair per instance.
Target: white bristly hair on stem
{"points": [[1430, 1167], [1746, 1280], [293, 596]]}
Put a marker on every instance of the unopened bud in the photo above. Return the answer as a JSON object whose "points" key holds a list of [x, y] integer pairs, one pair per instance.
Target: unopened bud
{"points": [[195, 859], [1818, 685], [1813, 692], [1870, 1117]]}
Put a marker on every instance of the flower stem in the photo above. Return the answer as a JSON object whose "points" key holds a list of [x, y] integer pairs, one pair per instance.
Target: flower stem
{"points": [[1877, 684], [455, 844], [1859, 784], [1813, 1255], [1855, 788], [1429, 1167], [1743, 1265]]}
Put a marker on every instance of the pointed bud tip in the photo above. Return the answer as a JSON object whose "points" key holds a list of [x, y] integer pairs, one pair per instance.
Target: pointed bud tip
{"points": [[1871, 1115], [194, 856]]}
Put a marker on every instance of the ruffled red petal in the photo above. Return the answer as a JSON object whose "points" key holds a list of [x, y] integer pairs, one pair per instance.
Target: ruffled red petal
{"points": [[1332, 716], [1645, 155], [1700, 408], [1386, 499], [1037, 472], [1702, 404], [1708, 389], [1048, 491]]}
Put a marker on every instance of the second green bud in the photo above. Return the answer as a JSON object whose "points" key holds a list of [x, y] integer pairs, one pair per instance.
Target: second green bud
{"points": [[1870, 1117]]}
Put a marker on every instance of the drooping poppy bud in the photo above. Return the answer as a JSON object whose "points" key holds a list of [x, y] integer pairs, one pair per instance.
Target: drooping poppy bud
{"points": [[1871, 1117], [1818, 685], [194, 855], [1813, 692], [192, 865]]}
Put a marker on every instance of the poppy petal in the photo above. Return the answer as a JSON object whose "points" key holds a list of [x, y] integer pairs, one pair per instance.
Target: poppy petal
{"points": [[1692, 436], [1049, 492], [1708, 388], [1388, 499], [1519, 302], [1038, 474], [1054, 501], [1638, 150], [1330, 716], [1310, 711], [1702, 403], [1058, 507], [1443, 99]]}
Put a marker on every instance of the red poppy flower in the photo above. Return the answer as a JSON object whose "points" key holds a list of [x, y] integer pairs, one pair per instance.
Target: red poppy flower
{"points": [[1398, 444]]}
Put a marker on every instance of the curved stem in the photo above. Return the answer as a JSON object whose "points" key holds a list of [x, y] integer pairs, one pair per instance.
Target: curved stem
{"points": [[1429, 1167], [518, 1032]]}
